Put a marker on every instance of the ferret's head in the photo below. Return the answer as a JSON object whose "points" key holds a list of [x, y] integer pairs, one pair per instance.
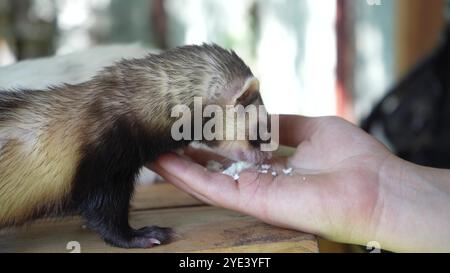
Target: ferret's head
{"points": [[242, 124], [225, 82], [216, 76]]}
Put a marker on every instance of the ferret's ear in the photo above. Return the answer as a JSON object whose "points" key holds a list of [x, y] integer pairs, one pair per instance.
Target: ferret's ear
{"points": [[248, 93]]}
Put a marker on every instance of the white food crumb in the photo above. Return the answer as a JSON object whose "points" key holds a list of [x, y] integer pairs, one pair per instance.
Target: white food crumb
{"points": [[304, 178], [236, 168], [287, 171]]}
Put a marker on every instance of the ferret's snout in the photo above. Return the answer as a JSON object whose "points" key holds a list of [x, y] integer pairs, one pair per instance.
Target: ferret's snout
{"points": [[254, 155]]}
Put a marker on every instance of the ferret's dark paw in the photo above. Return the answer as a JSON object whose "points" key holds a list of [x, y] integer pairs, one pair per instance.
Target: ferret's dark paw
{"points": [[147, 237]]}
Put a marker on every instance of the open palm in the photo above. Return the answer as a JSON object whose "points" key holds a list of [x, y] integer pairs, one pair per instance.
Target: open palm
{"points": [[333, 190]]}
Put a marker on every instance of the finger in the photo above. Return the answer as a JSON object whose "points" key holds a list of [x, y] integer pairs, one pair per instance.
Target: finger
{"points": [[296, 129], [179, 184], [247, 195], [216, 187], [260, 195]]}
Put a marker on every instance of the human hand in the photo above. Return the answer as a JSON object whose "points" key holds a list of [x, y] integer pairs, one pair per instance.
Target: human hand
{"points": [[345, 186]]}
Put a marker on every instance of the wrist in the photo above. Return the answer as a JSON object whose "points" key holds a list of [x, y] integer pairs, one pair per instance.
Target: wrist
{"points": [[413, 207]]}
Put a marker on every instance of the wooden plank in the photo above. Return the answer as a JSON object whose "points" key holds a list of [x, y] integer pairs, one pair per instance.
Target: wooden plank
{"points": [[199, 229], [161, 195]]}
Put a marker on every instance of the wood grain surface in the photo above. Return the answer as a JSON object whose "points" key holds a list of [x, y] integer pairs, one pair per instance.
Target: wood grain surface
{"points": [[199, 228]]}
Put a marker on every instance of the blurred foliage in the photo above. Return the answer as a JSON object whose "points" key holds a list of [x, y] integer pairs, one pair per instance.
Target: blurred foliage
{"points": [[28, 34], [35, 28]]}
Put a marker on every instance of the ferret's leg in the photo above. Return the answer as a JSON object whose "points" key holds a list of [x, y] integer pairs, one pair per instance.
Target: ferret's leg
{"points": [[104, 186], [108, 215]]}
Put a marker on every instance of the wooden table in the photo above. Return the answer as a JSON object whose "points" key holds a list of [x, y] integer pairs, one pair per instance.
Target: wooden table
{"points": [[200, 228]]}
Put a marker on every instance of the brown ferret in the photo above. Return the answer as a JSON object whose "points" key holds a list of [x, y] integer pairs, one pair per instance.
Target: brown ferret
{"points": [[77, 149]]}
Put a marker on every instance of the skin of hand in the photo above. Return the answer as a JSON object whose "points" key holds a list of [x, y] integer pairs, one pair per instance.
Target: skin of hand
{"points": [[346, 186]]}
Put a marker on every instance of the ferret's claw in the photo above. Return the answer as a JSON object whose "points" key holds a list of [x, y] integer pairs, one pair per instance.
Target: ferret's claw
{"points": [[148, 237]]}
